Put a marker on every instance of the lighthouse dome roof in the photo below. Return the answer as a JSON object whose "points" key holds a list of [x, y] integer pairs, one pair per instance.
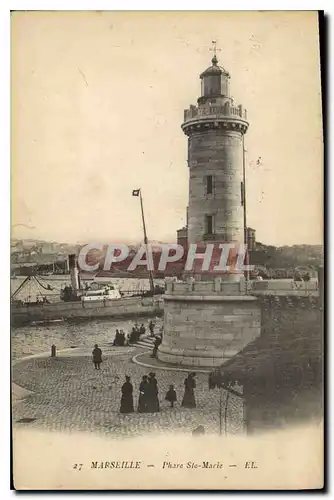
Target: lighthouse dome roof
{"points": [[214, 69]]}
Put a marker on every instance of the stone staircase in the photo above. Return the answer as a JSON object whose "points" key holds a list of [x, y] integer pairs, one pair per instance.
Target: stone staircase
{"points": [[145, 342]]}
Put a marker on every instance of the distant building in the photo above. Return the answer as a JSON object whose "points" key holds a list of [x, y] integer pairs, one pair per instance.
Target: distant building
{"points": [[182, 237], [47, 248], [251, 238]]}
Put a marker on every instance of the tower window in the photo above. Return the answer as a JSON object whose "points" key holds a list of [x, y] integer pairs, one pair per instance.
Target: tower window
{"points": [[209, 224], [209, 184]]}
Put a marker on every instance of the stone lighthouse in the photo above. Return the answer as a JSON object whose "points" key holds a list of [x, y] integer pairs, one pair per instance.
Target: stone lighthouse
{"points": [[208, 321], [215, 129]]}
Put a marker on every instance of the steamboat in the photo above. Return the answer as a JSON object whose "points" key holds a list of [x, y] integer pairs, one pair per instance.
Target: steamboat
{"points": [[78, 301]]}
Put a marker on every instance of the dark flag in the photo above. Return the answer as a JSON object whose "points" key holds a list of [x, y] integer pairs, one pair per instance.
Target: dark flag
{"points": [[135, 192]]}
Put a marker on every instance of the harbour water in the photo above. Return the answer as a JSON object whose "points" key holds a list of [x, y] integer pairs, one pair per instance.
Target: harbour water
{"points": [[27, 340], [35, 339]]}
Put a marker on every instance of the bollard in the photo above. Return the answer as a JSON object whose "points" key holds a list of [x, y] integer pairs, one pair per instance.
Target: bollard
{"points": [[53, 351]]}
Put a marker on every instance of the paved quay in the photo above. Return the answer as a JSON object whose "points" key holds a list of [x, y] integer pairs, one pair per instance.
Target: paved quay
{"points": [[146, 359], [68, 394]]}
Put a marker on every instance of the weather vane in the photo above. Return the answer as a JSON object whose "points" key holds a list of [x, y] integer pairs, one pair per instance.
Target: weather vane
{"points": [[214, 47]]}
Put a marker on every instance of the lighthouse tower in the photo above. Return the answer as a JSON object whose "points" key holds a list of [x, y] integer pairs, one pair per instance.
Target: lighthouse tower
{"points": [[215, 129], [206, 322]]}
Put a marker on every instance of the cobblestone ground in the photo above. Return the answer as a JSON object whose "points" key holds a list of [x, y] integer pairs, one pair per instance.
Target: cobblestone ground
{"points": [[69, 394]]}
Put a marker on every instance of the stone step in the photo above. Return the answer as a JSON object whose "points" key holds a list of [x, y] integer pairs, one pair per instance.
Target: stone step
{"points": [[148, 343]]}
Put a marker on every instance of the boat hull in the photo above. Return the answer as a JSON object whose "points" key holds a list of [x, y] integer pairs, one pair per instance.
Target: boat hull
{"points": [[72, 311]]}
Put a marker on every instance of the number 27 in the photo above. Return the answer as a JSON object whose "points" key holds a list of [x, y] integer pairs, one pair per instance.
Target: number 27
{"points": [[77, 466]]}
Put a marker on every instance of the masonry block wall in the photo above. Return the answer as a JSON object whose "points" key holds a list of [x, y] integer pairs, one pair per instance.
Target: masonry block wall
{"points": [[215, 152], [293, 318], [206, 323], [293, 325]]}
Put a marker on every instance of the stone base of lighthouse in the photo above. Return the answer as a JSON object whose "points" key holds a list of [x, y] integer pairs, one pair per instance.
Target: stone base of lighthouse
{"points": [[206, 323]]}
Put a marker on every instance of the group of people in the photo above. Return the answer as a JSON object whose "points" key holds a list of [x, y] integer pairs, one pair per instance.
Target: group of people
{"points": [[148, 401], [136, 333], [131, 338]]}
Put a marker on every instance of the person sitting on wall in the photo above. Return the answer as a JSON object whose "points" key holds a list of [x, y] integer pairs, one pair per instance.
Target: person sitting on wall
{"points": [[122, 338], [117, 341], [134, 336]]}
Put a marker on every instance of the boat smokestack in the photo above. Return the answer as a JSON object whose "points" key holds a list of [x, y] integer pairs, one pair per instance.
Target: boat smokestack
{"points": [[74, 272]]}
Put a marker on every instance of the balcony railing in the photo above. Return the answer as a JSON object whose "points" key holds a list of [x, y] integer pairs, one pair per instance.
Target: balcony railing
{"points": [[209, 236], [230, 111]]}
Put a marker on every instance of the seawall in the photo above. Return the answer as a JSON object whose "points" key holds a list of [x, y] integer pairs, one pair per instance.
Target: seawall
{"points": [[206, 323]]}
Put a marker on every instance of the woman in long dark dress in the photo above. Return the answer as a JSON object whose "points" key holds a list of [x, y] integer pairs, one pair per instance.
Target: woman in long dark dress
{"points": [[188, 400], [152, 397], [127, 398], [143, 395]]}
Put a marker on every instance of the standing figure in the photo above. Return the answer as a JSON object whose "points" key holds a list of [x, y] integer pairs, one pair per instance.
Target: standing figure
{"points": [[127, 398], [188, 400], [157, 342], [171, 396], [142, 329], [133, 336], [143, 395], [116, 340], [151, 326], [152, 394], [97, 357]]}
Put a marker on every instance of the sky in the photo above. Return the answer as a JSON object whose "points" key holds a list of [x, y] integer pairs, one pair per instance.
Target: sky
{"points": [[97, 106]]}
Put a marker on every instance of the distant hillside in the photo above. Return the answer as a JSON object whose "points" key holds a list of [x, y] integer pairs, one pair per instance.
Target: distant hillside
{"points": [[269, 261], [287, 256]]}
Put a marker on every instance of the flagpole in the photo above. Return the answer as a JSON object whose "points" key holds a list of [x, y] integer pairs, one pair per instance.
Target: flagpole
{"points": [[150, 276]]}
